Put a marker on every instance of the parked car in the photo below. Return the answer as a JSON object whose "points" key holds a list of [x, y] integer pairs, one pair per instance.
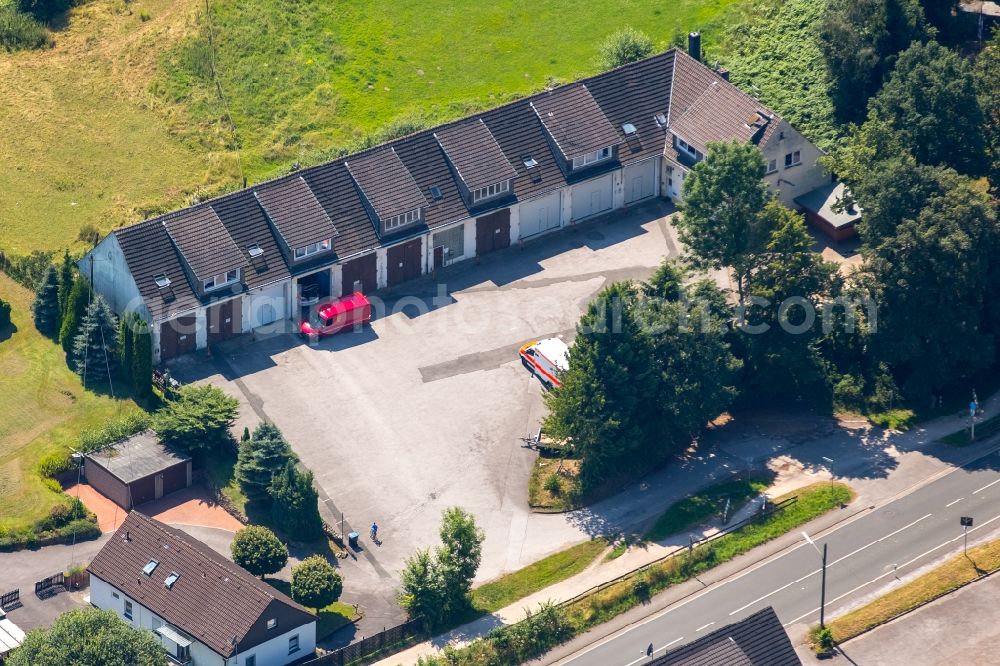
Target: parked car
{"points": [[335, 315], [308, 294], [547, 359]]}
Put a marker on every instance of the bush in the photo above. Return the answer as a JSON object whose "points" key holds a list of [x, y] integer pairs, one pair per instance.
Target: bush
{"points": [[315, 583], [822, 639], [26, 270], [89, 234], [198, 420], [625, 46], [4, 313], [21, 31], [552, 485], [44, 10], [258, 550], [114, 431], [848, 393], [55, 464]]}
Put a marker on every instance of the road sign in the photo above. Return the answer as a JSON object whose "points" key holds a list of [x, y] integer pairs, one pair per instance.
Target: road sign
{"points": [[966, 521], [973, 406]]}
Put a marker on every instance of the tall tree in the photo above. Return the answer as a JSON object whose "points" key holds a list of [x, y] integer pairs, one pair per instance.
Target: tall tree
{"points": [[295, 504], [265, 454], [988, 78], [76, 307], [142, 359], [258, 550], [720, 220], [46, 305], [603, 401], [95, 349], [88, 637], [931, 102], [198, 421], [66, 278], [125, 343], [459, 555], [315, 583], [422, 589], [860, 40]]}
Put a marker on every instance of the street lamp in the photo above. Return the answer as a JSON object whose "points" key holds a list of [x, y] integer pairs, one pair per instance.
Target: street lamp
{"points": [[822, 588]]}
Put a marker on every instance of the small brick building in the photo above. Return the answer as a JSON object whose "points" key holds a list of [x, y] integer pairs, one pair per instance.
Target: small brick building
{"points": [[137, 470], [823, 210]]}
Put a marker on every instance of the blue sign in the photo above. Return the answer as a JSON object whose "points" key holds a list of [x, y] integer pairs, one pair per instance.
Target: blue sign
{"points": [[973, 406]]}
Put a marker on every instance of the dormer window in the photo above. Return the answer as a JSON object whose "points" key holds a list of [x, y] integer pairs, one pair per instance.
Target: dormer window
{"points": [[409, 217], [313, 248], [221, 280], [689, 149], [591, 158], [490, 191]]}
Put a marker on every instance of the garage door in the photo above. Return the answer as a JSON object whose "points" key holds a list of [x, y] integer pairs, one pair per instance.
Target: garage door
{"points": [[224, 320], [493, 232], [404, 262], [640, 181], [592, 197], [177, 337], [360, 274], [267, 305], [540, 215]]}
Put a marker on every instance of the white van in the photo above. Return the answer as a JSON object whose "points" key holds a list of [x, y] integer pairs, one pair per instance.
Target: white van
{"points": [[546, 358]]}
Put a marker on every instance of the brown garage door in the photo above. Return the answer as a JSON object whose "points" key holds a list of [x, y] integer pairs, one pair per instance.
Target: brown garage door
{"points": [[493, 232], [177, 337], [404, 262], [224, 320], [360, 274]]}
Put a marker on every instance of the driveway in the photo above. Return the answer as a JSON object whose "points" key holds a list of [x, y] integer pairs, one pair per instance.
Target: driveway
{"points": [[424, 409]]}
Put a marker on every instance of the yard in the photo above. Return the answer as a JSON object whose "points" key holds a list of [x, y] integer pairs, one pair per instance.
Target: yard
{"points": [[43, 408], [119, 120]]}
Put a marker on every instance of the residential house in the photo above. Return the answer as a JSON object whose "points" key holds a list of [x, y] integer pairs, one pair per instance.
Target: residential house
{"points": [[757, 640], [205, 610], [386, 215]]}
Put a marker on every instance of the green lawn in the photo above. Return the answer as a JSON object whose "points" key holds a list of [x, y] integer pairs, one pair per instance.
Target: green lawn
{"points": [[701, 506], [516, 585], [43, 408]]}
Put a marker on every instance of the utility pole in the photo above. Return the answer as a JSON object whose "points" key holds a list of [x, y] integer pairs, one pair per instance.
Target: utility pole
{"points": [[822, 588]]}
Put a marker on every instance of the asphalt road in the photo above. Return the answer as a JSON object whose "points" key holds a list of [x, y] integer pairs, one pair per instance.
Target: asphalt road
{"points": [[863, 555]]}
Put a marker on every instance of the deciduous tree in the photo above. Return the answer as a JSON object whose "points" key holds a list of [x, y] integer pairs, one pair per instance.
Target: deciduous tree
{"points": [[422, 589], [88, 637], [258, 550], [459, 555], [625, 46], [315, 583]]}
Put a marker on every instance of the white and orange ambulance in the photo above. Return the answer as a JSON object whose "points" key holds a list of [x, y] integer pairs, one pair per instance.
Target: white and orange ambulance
{"points": [[546, 359]]}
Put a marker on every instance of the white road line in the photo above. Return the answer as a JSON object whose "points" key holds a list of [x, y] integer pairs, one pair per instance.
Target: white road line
{"points": [[647, 657], [954, 502], [986, 486], [881, 539], [672, 642], [704, 626], [763, 597]]}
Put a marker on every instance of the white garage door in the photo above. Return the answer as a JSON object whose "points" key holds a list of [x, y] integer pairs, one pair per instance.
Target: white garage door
{"points": [[538, 215], [267, 305], [592, 197], [640, 181]]}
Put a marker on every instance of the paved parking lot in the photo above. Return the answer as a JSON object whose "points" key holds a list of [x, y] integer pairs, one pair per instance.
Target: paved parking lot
{"points": [[424, 409]]}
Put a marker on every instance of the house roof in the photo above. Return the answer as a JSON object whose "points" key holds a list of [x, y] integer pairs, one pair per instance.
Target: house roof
{"points": [[295, 212], [246, 223], [822, 201], [574, 120], [203, 241], [335, 190], [213, 599], [385, 182], [474, 153], [758, 640], [149, 253], [137, 457], [521, 136]]}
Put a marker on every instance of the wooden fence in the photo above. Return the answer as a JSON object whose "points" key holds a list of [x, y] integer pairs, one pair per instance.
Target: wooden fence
{"points": [[385, 640]]}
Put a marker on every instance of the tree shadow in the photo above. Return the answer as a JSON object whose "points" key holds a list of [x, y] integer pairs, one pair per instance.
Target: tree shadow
{"points": [[7, 331]]}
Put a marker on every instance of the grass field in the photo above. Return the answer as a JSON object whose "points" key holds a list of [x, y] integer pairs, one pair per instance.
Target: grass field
{"points": [[42, 407], [701, 506], [120, 120]]}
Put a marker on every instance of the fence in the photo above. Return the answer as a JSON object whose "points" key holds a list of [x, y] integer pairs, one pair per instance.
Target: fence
{"points": [[43, 588], [12, 598], [367, 647]]}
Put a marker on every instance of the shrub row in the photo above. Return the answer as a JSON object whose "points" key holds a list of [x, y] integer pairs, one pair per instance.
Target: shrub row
{"points": [[64, 523], [29, 269], [114, 431], [21, 31]]}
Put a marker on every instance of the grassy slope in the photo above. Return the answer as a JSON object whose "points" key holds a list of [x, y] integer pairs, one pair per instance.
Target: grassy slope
{"points": [[42, 408], [699, 507]]}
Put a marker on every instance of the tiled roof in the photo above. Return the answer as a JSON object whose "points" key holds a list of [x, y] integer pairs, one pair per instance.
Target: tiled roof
{"points": [[425, 162], [758, 640], [213, 600], [385, 182], [574, 120], [295, 212], [521, 136], [149, 253], [247, 225], [335, 191], [474, 153], [203, 241]]}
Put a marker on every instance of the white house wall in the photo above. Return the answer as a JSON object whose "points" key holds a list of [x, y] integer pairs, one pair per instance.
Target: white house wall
{"points": [[256, 304], [539, 215], [640, 180], [274, 652], [797, 180], [112, 278]]}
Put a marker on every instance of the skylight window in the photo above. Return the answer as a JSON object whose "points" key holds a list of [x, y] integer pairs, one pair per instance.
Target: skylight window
{"points": [[629, 129], [171, 579], [150, 567], [162, 281], [254, 250], [661, 120], [530, 162], [436, 192]]}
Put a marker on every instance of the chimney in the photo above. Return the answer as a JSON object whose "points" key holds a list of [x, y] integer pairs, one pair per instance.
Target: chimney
{"points": [[694, 45], [724, 73]]}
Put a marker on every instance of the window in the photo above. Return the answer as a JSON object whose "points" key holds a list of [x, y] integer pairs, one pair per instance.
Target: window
{"points": [[293, 644], [171, 579], [689, 149], [115, 595], [128, 610], [250, 660], [590, 158], [222, 280], [792, 159], [402, 220], [490, 191], [313, 248], [272, 623], [772, 166], [254, 250], [661, 120], [150, 567], [436, 192], [530, 162], [162, 281]]}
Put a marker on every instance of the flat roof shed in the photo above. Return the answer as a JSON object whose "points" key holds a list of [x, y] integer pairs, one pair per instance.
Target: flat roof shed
{"points": [[137, 470], [823, 211]]}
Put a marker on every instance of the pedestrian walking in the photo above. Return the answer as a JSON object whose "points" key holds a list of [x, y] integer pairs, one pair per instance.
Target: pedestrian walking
{"points": [[374, 532]]}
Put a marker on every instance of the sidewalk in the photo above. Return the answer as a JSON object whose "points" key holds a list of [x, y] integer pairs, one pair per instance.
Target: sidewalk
{"points": [[879, 466]]}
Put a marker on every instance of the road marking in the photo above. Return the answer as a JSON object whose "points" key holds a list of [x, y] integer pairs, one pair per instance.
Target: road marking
{"points": [[881, 539], [954, 502], [704, 626], [986, 486], [763, 597], [647, 657]]}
